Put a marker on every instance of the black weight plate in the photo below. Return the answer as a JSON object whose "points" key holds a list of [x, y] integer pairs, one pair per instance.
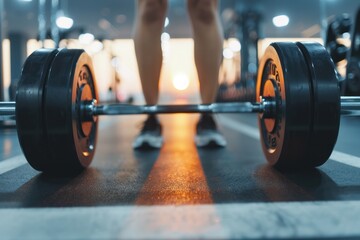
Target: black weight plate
{"points": [[352, 82], [283, 75], [71, 141], [326, 99], [29, 107]]}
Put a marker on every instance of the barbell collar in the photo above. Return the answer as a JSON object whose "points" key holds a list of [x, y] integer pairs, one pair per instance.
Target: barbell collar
{"points": [[7, 109], [350, 106]]}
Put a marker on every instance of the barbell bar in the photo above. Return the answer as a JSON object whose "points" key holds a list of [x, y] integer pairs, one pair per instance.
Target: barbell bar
{"points": [[350, 105], [90, 108], [297, 100]]}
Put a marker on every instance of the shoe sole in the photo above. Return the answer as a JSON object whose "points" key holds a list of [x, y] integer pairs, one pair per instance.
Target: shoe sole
{"points": [[210, 140], [147, 141]]}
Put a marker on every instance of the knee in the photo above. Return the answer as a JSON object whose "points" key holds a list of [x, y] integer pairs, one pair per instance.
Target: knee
{"points": [[151, 11], [203, 11]]}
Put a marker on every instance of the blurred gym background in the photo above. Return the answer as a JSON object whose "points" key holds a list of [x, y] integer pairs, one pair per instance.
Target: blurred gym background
{"points": [[104, 30]]}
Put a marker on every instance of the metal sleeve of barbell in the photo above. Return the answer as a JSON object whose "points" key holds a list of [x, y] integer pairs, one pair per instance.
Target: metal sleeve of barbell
{"points": [[350, 105], [123, 109], [7, 108]]}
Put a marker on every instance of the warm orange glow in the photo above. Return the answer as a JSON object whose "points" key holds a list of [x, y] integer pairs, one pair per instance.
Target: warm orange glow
{"points": [[181, 81], [180, 62], [177, 176], [179, 58]]}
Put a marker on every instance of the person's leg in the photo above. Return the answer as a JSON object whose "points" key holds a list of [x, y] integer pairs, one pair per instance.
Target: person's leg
{"points": [[208, 43], [148, 27]]}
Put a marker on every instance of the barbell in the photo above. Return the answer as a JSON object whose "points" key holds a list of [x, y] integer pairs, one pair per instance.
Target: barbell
{"points": [[297, 100]]}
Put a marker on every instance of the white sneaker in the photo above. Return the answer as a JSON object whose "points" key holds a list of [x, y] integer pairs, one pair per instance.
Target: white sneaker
{"points": [[207, 134], [150, 134]]}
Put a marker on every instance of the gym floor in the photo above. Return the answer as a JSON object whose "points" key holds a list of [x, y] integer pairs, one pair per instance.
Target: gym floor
{"points": [[181, 191]]}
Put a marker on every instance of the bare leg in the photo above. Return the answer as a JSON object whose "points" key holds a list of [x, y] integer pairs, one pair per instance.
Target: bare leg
{"points": [[148, 27], [208, 40]]}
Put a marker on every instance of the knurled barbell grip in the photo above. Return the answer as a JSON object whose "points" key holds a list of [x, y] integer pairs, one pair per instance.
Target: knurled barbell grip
{"points": [[123, 109], [91, 109]]}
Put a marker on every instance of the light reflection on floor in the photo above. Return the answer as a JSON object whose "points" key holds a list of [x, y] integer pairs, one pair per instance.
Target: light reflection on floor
{"points": [[177, 176]]}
